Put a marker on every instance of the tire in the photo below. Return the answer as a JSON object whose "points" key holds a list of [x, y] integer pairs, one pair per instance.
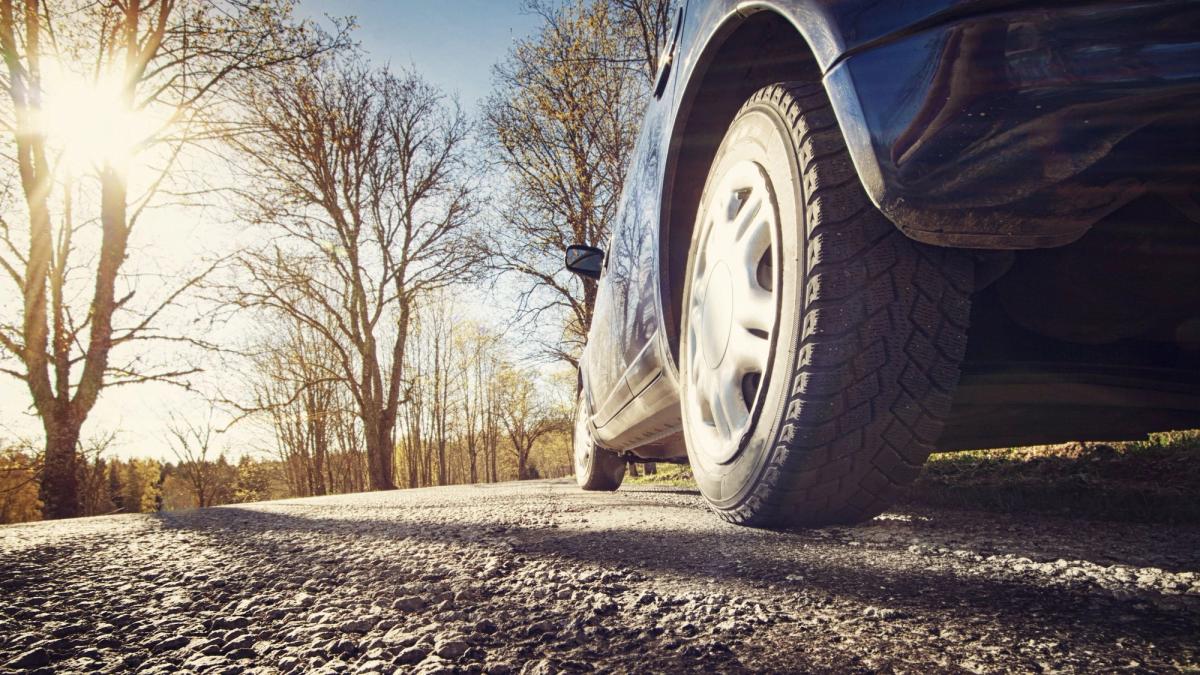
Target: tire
{"points": [[856, 371], [596, 468]]}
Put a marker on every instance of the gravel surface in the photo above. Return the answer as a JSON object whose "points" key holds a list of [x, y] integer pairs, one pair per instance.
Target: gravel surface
{"points": [[539, 577]]}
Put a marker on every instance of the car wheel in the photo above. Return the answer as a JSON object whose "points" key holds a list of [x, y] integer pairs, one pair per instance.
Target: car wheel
{"points": [[819, 346], [595, 468]]}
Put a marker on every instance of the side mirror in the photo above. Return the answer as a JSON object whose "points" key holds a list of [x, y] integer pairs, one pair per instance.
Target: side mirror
{"points": [[586, 261]]}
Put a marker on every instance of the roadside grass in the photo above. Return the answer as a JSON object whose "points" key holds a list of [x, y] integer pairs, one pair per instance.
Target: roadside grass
{"points": [[669, 475], [1156, 480]]}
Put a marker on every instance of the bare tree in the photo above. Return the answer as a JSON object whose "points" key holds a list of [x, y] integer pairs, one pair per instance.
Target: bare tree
{"points": [[430, 424], [562, 121], [209, 478], [361, 176], [94, 496], [296, 385], [479, 363], [527, 417], [445, 383], [124, 63]]}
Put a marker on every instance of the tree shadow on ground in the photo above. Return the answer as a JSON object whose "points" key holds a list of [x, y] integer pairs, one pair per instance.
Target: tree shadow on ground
{"points": [[817, 566]]}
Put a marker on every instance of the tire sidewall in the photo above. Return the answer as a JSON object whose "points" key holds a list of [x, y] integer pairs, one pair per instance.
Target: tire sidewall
{"points": [[583, 471], [759, 133], [603, 470]]}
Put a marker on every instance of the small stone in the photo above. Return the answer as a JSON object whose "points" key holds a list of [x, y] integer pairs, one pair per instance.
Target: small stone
{"points": [[202, 662], [411, 655], [236, 642], [34, 658], [344, 646], [603, 606], [372, 666], [486, 626], [542, 667], [209, 648], [169, 644], [541, 628], [231, 622], [451, 648], [411, 603], [67, 630], [397, 637], [357, 625], [435, 665]]}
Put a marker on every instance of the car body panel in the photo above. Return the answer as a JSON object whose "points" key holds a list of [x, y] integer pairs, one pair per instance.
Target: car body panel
{"points": [[890, 66], [998, 131], [626, 319]]}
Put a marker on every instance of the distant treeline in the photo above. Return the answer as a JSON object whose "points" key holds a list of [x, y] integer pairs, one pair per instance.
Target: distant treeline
{"points": [[139, 485]]}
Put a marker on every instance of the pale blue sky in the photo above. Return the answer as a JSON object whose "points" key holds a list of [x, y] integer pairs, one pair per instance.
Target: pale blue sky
{"points": [[453, 43]]}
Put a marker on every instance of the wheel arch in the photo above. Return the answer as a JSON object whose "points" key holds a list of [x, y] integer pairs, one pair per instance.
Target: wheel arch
{"points": [[751, 48]]}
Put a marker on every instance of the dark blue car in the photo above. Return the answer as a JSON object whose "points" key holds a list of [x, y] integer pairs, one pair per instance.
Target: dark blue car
{"points": [[855, 232]]}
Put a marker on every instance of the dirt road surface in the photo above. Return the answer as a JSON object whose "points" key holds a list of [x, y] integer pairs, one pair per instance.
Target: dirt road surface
{"points": [[540, 577]]}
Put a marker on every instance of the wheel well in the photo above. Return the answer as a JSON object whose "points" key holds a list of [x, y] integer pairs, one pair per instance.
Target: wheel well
{"points": [[747, 53]]}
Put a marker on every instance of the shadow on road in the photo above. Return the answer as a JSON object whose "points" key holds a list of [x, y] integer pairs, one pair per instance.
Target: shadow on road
{"points": [[819, 566]]}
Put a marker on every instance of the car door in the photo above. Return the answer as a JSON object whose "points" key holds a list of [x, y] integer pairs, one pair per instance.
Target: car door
{"points": [[625, 319]]}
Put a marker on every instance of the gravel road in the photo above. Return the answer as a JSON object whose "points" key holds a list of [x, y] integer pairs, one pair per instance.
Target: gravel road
{"points": [[539, 577]]}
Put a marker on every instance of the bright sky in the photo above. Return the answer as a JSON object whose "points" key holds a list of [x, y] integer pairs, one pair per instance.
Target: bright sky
{"points": [[453, 44]]}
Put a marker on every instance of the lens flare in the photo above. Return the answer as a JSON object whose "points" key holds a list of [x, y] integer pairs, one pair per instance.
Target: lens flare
{"points": [[90, 121]]}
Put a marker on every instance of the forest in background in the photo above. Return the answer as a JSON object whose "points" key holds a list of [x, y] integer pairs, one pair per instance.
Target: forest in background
{"points": [[372, 202]]}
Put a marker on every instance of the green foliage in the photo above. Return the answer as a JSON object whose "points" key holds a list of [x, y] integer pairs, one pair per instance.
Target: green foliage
{"points": [[256, 480], [142, 485], [1155, 480], [673, 475], [19, 501]]}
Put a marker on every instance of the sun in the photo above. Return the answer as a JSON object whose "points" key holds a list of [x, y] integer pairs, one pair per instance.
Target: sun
{"points": [[89, 121]]}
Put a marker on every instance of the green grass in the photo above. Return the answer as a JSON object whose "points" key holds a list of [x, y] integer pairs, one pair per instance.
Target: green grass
{"points": [[673, 475], [1155, 480]]}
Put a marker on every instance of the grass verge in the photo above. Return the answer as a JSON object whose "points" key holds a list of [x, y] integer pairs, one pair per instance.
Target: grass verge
{"points": [[1155, 481], [673, 475]]}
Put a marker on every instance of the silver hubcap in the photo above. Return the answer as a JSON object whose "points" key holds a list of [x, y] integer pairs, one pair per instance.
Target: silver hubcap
{"points": [[583, 440], [731, 309]]}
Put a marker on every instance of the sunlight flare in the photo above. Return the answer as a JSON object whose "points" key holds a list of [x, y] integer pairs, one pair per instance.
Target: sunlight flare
{"points": [[89, 121]]}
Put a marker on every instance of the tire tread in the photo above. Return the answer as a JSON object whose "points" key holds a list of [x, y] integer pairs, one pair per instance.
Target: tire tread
{"points": [[883, 334]]}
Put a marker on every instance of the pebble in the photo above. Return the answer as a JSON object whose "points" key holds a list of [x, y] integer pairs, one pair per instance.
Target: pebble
{"points": [[411, 655]]}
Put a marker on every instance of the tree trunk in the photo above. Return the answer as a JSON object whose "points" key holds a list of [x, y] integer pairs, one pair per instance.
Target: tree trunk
{"points": [[379, 459], [59, 490], [522, 460]]}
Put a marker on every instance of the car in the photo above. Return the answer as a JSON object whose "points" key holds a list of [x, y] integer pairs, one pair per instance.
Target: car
{"points": [[856, 233]]}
